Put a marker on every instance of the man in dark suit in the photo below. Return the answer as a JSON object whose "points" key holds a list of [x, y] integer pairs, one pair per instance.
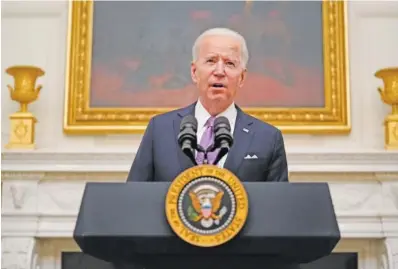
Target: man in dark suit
{"points": [[218, 70]]}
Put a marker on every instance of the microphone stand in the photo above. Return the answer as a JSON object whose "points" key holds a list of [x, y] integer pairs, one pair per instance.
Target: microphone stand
{"points": [[224, 148], [190, 152], [205, 159], [199, 148]]}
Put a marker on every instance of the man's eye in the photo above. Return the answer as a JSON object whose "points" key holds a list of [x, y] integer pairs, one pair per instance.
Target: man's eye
{"points": [[230, 63]]}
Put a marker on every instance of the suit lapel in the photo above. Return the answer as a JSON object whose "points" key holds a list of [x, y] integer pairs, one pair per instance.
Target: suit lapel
{"points": [[183, 159], [242, 136]]}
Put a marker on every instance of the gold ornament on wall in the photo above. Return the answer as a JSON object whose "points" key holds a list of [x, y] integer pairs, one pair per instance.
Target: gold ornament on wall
{"points": [[22, 132], [389, 95]]}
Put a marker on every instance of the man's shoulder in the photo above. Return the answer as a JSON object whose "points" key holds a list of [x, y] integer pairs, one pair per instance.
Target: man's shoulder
{"points": [[166, 115], [170, 115]]}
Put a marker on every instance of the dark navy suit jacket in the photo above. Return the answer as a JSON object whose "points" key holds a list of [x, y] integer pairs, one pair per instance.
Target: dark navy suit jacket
{"points": [[159, 157]]}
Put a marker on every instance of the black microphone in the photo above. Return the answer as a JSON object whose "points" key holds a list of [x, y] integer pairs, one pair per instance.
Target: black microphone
{"points": [[222, 137], [187, 137]]}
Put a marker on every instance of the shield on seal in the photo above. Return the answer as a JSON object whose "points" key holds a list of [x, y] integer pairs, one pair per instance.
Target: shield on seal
{"points": [[206, 209]]}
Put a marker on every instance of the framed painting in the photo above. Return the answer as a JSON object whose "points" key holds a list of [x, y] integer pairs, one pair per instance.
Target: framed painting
{"points": [[130, 60]]}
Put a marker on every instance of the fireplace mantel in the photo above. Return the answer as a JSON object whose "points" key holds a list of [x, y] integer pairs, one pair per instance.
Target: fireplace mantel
{"points": [[41, 193]]}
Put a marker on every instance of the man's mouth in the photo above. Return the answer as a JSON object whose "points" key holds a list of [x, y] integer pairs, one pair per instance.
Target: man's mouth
{"points": [[218, 85]]}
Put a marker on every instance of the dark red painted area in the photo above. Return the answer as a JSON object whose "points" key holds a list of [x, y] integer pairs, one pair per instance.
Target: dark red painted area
{"points": [[141, 56]]}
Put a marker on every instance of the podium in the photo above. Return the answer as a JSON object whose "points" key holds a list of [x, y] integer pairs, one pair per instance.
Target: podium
{"points": [[287, 224]]}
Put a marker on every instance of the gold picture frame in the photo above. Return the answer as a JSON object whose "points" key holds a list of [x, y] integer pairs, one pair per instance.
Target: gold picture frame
{"points": [[81, 119]]}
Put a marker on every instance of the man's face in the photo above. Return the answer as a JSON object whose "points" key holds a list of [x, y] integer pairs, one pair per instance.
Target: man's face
{"points": [[218, 71]]}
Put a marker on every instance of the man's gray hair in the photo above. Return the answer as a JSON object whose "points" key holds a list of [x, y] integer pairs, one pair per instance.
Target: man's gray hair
{"points": [[226, 32]]}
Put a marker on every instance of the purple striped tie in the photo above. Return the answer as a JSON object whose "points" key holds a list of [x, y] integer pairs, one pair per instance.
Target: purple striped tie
{"points": [[206, 141]]}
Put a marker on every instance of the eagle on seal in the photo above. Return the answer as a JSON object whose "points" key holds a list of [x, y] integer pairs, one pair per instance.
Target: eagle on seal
{"points": [[206, 208]]}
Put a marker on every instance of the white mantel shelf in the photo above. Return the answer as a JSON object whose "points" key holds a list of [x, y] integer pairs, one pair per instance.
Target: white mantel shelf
{"points": [[299, 161]]}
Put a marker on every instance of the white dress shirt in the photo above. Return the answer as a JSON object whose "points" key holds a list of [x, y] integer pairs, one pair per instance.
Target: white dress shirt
{"points": [[202, 116]]}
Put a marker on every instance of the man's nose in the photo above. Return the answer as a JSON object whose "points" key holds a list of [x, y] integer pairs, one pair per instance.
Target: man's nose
{"points": [[219, 69]]}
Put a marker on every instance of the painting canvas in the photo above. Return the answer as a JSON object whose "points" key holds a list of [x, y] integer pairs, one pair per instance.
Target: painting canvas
{"points": [[130, 60]]}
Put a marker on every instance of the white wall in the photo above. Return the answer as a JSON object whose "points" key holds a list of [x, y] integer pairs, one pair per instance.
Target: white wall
{"points": [[35, 33]]}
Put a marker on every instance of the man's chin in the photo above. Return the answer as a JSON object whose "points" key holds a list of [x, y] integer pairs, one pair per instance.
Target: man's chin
{"points": [[217, 101], [218, 97]]}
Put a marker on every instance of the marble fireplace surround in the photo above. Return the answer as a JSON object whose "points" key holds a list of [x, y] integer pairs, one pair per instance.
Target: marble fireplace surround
{"points": [[41, 193]]}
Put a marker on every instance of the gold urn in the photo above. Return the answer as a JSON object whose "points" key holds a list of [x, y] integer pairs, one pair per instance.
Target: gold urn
{"points": [[389, 95], [22, 132]]}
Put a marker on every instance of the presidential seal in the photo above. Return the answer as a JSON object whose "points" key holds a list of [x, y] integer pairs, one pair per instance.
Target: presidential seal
{"points": [[206, 205]]}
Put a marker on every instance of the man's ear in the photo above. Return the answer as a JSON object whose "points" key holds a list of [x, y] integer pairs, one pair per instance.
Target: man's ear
{"points": [[243, 76], [193, 73]]}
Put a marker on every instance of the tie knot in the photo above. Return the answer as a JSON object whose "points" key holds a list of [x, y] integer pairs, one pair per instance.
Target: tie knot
{"points": [[210, 121]]}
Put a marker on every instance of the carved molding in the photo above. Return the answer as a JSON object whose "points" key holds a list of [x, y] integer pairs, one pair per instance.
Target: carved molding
{"points": [[392, 246], [18, 195], [299, 162], [19, 253], [388, 253]]}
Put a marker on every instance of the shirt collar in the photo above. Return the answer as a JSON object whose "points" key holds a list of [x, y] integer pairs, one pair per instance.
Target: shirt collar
{"points": [[202, 115]]}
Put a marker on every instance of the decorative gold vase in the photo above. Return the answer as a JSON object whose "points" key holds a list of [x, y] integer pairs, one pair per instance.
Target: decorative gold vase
{"points": [[22, 133], [389, 95]]}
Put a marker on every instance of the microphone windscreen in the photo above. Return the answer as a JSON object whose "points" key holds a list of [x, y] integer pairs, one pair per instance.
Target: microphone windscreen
{"points": [[222, 122], [189, 120]]}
